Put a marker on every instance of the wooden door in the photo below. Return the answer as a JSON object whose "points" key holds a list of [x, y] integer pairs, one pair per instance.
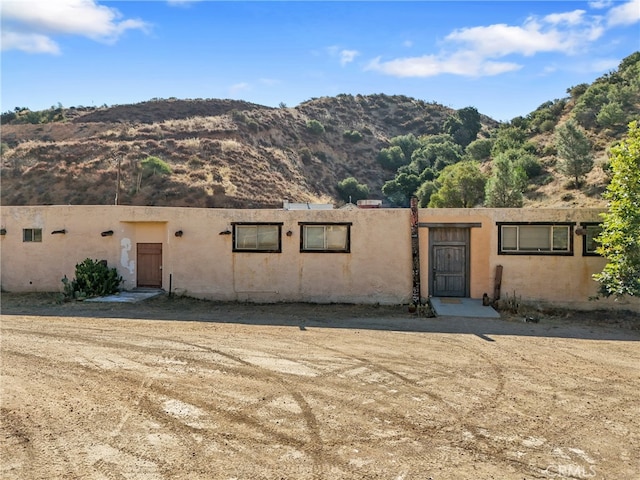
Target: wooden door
{"points": [[449, 271], [149, 261], [449, 260]]}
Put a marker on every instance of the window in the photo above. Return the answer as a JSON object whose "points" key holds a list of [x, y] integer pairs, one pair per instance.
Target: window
{"points": [[535, 239], [257, 237], [31, 234], [325, 237], [589, 238]]}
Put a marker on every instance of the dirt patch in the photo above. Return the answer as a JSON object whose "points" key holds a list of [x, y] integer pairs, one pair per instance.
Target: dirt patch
{"points": [[178, 388]]}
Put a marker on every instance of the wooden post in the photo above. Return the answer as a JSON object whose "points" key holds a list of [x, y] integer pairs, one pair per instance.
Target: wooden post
{"points": [[415, 252], [497, 284]]}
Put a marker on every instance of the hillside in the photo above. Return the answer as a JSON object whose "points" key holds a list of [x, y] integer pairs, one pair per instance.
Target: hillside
{"points": [[222, 153], [225, 153]]}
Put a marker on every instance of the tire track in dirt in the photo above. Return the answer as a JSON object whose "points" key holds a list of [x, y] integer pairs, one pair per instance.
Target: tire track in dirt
{"points": [[95, 378], [313, 448], [456, 417]]}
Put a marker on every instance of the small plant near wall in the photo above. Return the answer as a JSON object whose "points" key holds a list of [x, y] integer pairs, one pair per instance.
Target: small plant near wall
{"points": [[92, 279]]}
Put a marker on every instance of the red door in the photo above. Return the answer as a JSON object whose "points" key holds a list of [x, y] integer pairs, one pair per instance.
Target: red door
{"points": [[149, 257]]}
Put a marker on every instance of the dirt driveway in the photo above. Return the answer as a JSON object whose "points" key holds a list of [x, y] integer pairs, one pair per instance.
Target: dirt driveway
{"points": [[181, 389]]}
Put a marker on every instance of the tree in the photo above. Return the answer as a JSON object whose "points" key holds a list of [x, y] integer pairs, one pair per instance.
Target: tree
{"points": [[620, 237], [437, 152], [352, 191], [408, 143], [392, 158], [574, 151], [479, 149], [459, 186], [400, 190], [504, 188], [463, 126]]}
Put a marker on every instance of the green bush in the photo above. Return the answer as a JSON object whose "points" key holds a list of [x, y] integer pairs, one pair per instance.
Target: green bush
{"points": [[93, 279], [153, 165], [315, 127], [530, 164], [352, 135]]}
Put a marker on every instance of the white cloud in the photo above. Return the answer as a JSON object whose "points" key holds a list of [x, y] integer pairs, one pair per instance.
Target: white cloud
{"points": [[599, 4], [625, 14], [478, 51], [347, 56], [29, 43], [463, 64], [407, 43], [570, 18], [43, 19]]}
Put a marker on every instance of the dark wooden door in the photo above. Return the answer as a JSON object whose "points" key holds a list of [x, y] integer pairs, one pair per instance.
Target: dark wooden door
{"points": [[149, 263], [449, 260], [449, 271]]}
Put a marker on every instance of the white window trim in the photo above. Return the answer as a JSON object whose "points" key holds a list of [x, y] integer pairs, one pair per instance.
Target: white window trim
{"points": [[541, 251], [326, 248], [257, 225]]}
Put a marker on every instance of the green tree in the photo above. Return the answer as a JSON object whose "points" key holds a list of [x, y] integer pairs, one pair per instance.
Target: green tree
{"points": [[463, 126], [436, 152], [400, 190], [351, 191], [424, 193], [611, 115], [408, 143], [392, 158], [506, 184], [509, 137], [620, 237], [574, 151], [479, 149], [459, 186]]}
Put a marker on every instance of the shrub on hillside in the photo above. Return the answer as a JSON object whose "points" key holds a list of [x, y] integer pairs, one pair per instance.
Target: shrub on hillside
{"points": [[153, 165], [352, 135], [315, 127]]}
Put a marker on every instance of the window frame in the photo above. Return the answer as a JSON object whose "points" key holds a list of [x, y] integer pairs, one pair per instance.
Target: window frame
{"points": [[35, 235], [518, 251], [585, 238], [303, 227], [235, 226]]}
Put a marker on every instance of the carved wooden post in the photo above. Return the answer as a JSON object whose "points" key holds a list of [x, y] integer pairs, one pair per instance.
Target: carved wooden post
{"points": [[415, 252]]}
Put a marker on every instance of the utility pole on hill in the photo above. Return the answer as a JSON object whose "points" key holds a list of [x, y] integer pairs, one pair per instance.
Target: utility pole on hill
{"points": [[119, 159]]}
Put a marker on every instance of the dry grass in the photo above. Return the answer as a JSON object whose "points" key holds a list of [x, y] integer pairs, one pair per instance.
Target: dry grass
{"points": [[230, 145]]}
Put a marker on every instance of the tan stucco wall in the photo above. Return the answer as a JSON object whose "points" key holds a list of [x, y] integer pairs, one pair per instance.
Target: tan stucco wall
{"points": [[202, 264], [559, 280]]}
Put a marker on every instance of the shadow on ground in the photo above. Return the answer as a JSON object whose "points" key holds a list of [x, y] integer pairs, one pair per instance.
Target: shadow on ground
{"points": [[596, 325]]}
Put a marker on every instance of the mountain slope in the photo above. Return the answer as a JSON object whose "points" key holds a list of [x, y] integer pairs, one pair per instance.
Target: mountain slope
{"points": [[222, 153], [227, 153]]}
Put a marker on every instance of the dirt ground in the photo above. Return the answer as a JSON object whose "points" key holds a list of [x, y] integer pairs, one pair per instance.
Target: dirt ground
{"points": [[186, 389]]}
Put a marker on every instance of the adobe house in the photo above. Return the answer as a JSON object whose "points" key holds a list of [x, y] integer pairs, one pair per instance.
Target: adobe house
{"points": [[355, 255]]}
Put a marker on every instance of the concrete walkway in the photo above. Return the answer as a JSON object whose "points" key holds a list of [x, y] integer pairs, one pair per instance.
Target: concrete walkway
{"points": [[129, 296], [461, 307]]}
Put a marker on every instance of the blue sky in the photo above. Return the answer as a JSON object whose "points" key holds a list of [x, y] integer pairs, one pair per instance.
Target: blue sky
{"points": [[504, 58]]}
